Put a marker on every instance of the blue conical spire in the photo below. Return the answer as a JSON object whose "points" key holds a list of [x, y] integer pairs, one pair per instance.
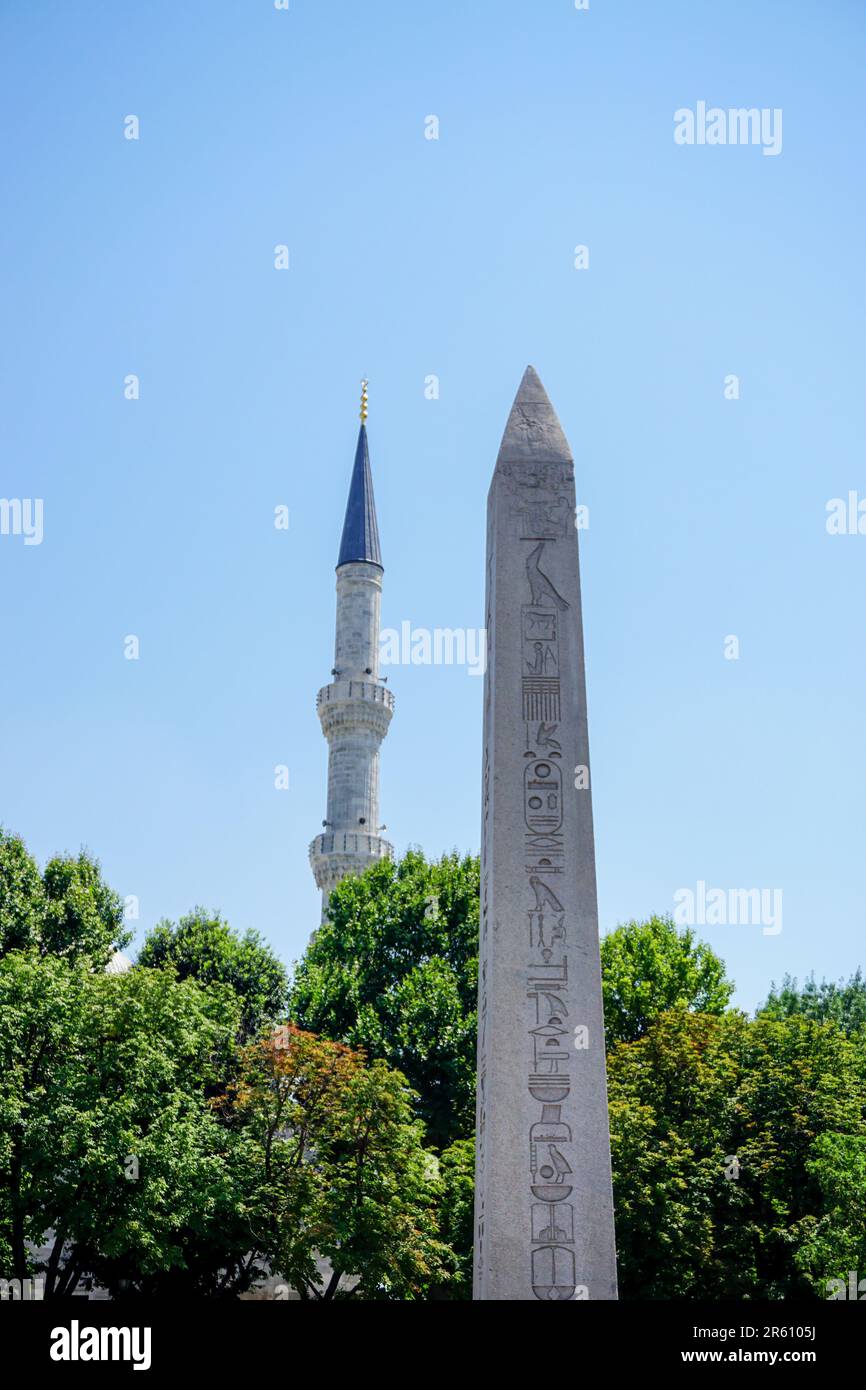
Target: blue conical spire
{"points": [[360, 531]]}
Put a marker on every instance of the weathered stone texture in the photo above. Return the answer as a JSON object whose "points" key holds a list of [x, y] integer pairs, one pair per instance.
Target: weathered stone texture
{"points": [[544, 1212]]}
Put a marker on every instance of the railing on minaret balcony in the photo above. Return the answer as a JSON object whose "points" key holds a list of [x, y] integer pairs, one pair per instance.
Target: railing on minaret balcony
{"points": [[356, 690], [352, 842]]}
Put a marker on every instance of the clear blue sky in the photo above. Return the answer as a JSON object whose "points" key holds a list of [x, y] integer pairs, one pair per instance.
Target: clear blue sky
{"points": [[455, 257]]}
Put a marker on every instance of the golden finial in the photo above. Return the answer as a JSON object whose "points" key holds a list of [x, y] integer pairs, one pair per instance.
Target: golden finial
{"points": [[364, 402]]}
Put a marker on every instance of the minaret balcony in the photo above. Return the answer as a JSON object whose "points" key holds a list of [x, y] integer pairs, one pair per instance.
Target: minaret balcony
{"points": [[345, 706], [337, 853]]}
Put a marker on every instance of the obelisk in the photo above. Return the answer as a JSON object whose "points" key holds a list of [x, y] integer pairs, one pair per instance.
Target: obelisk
{"points": [[543, 1204]]}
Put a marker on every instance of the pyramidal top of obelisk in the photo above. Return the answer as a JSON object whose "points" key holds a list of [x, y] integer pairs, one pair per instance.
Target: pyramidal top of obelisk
{"points": [[533, 433]]}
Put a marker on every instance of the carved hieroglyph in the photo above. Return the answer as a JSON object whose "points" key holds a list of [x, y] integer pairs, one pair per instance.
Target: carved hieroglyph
{"points": [[543, 1214]]}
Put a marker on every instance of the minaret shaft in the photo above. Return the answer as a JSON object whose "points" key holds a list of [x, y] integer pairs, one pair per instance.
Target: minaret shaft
{"points": [[359, 602], [355, 733]]}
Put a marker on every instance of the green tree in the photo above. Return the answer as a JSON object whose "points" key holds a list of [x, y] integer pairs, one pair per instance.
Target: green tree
{"points": [[109, 1148], [843, 1003], [343, 1176], [835, 1242], [394, 970], [22, 897], [457, 1214], [729, 1141], [66, 911], [203, 947], [650, 967]]}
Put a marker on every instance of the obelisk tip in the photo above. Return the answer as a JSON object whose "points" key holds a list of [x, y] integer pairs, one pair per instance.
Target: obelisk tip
{"points": [[533, 433]]}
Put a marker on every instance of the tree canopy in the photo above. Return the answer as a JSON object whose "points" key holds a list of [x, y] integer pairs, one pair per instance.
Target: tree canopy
{"points": [[159, 1132], [843, 1003], [202, 946], [394, 970], [68, 910], [342, 1172], [648, 967], [737, 1146], [106, 1139], [125, 1156]]}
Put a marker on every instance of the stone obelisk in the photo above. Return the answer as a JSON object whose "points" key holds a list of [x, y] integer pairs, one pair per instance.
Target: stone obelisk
{"points": [[543, 1205]]}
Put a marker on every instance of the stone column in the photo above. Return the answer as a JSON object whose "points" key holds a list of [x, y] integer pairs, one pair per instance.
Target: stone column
{"points": [[544, 1210]]}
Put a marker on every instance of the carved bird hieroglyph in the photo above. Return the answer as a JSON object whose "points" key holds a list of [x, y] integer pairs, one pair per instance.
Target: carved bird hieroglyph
{"points": [[542, 591]]}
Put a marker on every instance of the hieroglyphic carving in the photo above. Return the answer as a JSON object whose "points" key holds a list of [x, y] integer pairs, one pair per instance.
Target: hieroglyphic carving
{"points": [[481, 1116], [540, 642], [542, 796], [542, 519], [529, 477], [550, 1214], [541, 700], [542, 591]]}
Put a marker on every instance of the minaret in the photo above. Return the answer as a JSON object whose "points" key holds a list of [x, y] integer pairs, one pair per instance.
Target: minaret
{"points": [[355, 709]]}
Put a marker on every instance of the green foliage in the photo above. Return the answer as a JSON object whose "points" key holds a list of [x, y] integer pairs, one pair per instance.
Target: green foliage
{"points": [[787, 1100], [843, 1003], [201, 946], [122, 1147], [456, 1214], [649, 967], [22, 897], [68, 911], [175, 1144], [83, 916], [835, 1242], [394, 970], [107, 1136], [342, 1172]]}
